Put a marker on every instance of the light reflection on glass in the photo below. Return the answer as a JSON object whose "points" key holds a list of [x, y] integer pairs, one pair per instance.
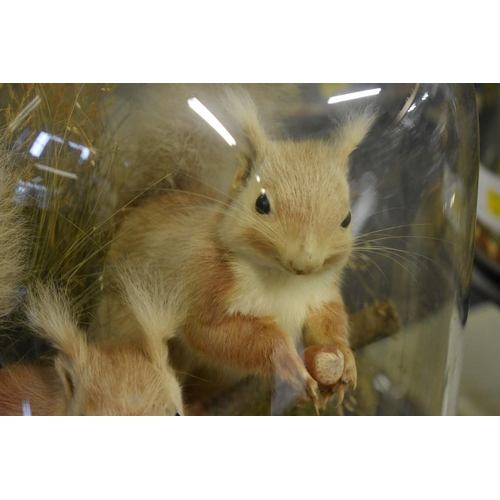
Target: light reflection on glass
{"points": [[353, 95], [199, 108], [43, 139], [26, 408], [62, 173]]}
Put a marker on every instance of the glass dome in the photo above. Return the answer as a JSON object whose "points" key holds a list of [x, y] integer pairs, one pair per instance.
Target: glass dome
{"points": [[86, 157]]}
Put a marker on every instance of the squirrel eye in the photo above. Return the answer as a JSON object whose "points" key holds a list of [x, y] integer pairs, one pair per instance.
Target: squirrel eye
{"points": [[262, 204], [346, 221]]}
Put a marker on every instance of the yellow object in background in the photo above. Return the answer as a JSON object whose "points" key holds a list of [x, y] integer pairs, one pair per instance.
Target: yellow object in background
{"points": [[493, 202], [328, 89]]}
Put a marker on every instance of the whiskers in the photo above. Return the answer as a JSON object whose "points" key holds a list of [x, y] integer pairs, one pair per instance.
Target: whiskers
{"points": [[369, 247]]}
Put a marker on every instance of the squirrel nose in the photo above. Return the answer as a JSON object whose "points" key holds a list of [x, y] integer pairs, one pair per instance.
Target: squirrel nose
{"points": [[305, 263]]}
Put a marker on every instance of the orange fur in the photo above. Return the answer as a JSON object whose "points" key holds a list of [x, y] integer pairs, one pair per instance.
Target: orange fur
{"points": [[327, 325], [39, 386]]}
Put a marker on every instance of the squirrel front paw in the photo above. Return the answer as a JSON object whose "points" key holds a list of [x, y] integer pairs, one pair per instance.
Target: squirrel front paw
{"points": [[333, 367], [292, 371]]}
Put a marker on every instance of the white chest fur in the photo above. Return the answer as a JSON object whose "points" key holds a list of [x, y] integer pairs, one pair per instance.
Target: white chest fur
{"points": [[285, 296]]}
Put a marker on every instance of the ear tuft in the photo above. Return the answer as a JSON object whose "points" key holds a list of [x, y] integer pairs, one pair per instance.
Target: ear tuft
{"points": [[350, 134], [157, 311], [50, 315], [240, 105]]}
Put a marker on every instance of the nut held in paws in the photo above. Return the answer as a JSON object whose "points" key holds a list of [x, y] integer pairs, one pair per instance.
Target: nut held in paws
{"points": [[325, 364]]}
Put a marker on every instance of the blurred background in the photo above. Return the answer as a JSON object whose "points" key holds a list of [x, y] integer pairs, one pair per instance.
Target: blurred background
{"points": [[480, 386]]}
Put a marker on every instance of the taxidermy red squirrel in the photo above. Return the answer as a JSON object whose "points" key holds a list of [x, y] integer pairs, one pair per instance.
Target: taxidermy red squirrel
{"points": [[258, 274]]}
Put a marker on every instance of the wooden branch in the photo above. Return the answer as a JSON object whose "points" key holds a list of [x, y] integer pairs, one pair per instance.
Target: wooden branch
{"points": [[373, 323]]}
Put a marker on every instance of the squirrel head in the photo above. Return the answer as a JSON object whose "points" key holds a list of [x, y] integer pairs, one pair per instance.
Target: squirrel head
{"points": [[129, 379], [290, 207]]}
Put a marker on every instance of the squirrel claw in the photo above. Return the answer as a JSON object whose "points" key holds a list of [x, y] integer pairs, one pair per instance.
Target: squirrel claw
{"points": [[311, 388], [316, 407], [340, 393]]}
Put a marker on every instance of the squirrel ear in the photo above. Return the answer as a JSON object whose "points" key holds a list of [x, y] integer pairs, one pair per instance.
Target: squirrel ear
{"points": [[50, 315], [156, 309], [350, 134], [246, 161], [241, 106]]}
